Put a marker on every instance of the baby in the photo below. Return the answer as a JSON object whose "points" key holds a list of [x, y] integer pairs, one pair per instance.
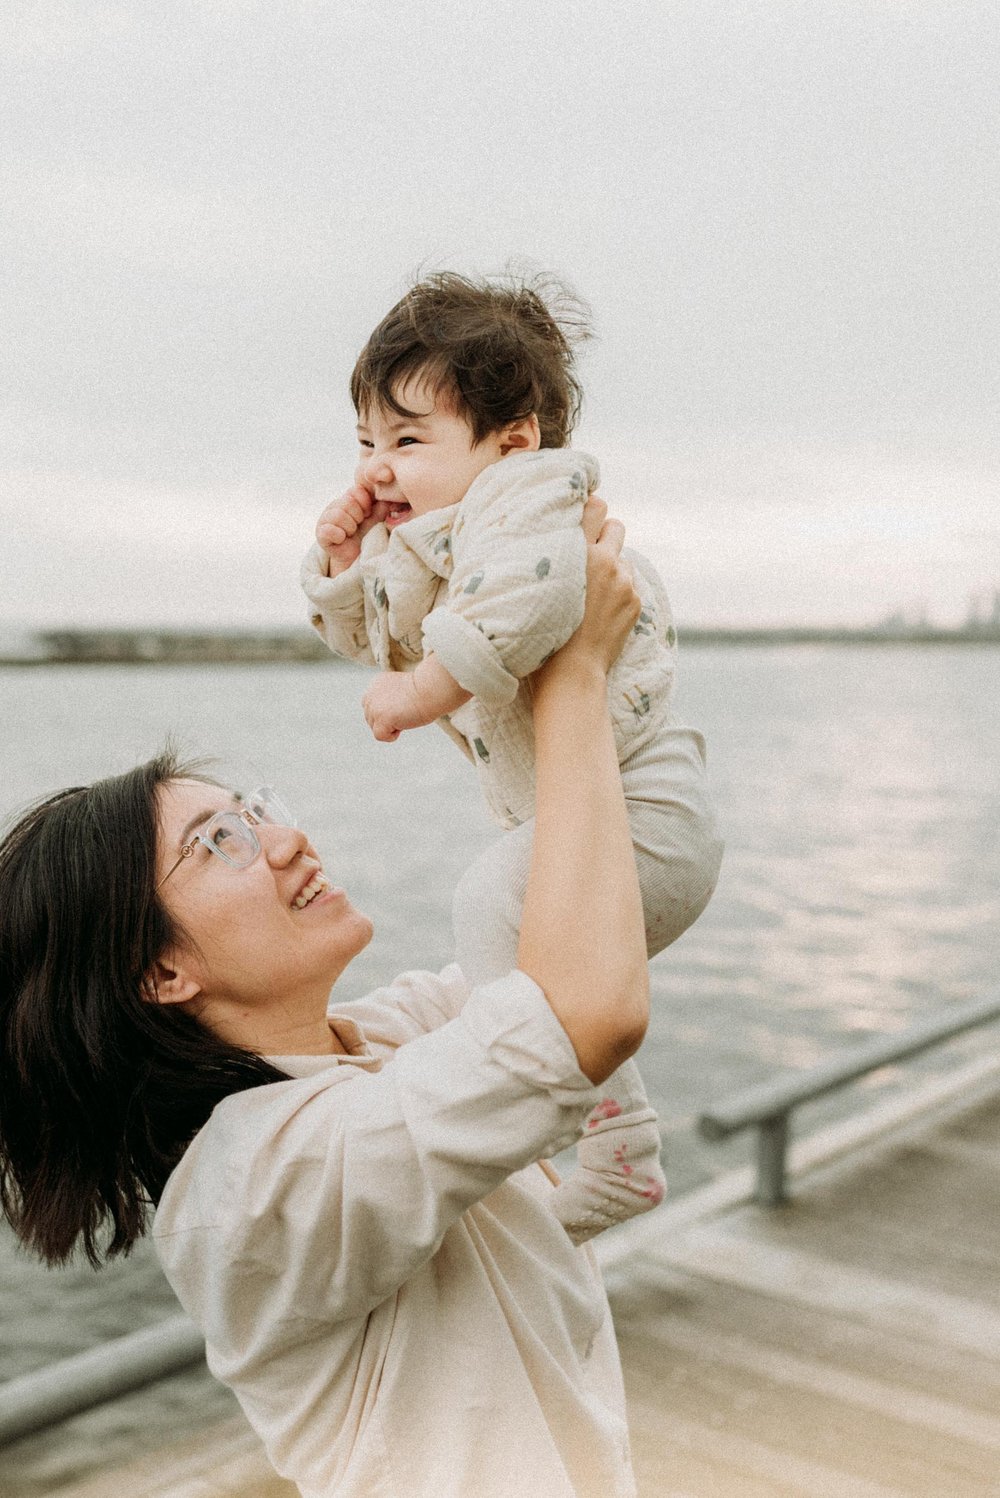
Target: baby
{"points": [[456, 565]]}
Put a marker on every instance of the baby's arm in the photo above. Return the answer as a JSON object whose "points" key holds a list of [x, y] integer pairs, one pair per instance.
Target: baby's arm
{"points": [[516, 593], [331, 578], [397, 700]]}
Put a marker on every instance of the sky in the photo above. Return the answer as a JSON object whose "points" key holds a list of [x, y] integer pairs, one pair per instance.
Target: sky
{"points": [[784, 214]]}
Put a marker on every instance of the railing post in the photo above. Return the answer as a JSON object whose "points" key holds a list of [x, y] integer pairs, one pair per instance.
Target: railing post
{"points": [[772, 1146]]}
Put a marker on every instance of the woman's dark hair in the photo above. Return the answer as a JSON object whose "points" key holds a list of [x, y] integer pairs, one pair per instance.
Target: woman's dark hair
{"points": [[499, 348], [101, 1087]]}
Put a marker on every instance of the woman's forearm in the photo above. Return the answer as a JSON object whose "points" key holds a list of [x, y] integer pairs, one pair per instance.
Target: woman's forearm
{"points": [[582, 935]]}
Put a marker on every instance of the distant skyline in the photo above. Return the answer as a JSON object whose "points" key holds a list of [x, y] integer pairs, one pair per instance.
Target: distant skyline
{"points": [[784, 215]]}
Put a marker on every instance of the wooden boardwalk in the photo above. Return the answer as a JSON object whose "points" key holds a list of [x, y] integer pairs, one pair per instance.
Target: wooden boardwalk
{"points": [[846, 1345]]}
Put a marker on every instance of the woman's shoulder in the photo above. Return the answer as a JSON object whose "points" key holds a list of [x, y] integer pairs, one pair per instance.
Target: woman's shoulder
{"points": [[239, 1153], [242, 1147]]}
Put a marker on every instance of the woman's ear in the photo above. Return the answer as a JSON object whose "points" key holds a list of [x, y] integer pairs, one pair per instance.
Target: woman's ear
{"points": [[171, 982], [522, 436]]}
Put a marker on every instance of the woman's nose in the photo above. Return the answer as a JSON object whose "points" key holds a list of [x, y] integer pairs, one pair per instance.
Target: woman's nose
{"points": [[281, 844]]}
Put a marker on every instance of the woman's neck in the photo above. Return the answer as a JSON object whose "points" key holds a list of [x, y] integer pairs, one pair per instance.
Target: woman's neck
{"points": [[307, 1040], [299, 1031]]}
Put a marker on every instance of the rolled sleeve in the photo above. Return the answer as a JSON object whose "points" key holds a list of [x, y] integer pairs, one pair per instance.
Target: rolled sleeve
{"points": [[329, 1192], [337, 605], [464, 651], [512, 1021]]}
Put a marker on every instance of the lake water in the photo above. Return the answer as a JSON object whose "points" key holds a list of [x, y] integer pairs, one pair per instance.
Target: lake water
{"points": [[859, 794]]}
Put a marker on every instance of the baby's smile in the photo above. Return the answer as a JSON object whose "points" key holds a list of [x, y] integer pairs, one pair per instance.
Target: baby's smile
{"points": [[421, 454], [398, 512]]}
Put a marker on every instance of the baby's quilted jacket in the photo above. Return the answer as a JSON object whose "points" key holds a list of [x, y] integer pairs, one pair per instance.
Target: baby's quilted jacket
{"points": [[493, 586]]}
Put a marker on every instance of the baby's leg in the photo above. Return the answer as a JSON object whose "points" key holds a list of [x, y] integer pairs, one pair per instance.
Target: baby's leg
{"points": [[487, 908], [678, 851], [618, 1173]]}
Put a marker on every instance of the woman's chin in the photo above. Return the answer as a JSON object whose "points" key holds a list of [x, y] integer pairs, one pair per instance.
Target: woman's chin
{"points": [[361, 933]]}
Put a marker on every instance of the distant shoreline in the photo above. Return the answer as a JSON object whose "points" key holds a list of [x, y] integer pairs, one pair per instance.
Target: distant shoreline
{"points": [[806, 635], [255, 647]]}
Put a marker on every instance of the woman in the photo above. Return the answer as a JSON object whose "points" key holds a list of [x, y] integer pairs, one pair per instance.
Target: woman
{"points": [[347, 1204]]}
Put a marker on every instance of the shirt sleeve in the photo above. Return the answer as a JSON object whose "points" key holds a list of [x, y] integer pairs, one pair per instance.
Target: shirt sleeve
{"points": [[410, 1006], [329, 1192], [519, 576], [337, 606]]}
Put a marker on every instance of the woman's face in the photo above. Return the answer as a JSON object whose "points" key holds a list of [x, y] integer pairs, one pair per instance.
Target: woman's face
{"points": [[262, 966]]}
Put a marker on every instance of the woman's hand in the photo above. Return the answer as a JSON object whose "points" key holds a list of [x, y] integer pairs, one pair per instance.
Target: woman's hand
{"points": [[612, 606]]}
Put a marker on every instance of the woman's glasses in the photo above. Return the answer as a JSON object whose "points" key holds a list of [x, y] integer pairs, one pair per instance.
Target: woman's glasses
{"points": [[230, 834]]}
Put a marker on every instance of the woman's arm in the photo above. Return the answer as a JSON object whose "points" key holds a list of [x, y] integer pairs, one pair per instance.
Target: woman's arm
{"points": [[582, 935]]}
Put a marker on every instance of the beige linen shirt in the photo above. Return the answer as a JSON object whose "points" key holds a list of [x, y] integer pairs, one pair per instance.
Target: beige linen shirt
{"points": [[493, 586], [369, 1251]]}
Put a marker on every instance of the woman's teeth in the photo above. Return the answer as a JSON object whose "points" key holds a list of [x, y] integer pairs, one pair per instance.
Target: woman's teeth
{"points": [[317, 882]]}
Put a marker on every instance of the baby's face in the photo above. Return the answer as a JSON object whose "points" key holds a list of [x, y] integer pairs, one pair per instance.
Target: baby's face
{"points": [[422, 462]]}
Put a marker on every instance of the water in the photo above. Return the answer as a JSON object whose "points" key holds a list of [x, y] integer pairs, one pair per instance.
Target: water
{"points": [[859, 792]]}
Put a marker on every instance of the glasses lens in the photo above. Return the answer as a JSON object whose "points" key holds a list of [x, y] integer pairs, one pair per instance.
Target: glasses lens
{"points": [[230, 837], [267, 806]]}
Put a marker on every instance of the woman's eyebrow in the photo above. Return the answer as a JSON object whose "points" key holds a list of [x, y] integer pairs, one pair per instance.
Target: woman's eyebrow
{"points": [[197, 819]]}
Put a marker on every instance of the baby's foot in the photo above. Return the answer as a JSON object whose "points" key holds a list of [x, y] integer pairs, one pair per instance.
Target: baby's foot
{"points": [[618, 1172]]}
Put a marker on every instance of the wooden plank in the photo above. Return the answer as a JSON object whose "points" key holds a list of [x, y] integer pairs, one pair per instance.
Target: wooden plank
{"points": [[799, 1371], [707, 1415], [227, 1461], [967, 1149], [934, 1219], [778, 1325], [980, 1122], [883, 1303]]}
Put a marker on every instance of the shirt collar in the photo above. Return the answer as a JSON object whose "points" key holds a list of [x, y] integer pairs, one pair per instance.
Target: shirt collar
{"points": [[351, 1037]]}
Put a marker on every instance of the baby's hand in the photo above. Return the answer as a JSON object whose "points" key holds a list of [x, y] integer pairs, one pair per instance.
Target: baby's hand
{"points": [[391, 704], [344, 523]]}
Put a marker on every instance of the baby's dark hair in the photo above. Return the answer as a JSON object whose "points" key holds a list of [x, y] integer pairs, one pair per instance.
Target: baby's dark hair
{"points": [[500, 348]]}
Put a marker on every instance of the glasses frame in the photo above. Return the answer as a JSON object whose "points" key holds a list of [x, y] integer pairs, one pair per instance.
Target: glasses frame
{"points": [[244, 818]]}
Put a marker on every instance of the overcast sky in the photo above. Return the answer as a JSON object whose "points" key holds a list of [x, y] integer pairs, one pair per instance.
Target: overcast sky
{"points": [[785, 216]]}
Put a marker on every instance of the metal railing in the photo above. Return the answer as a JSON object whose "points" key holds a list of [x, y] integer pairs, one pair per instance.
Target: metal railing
{"points": [[768, 1107], [37, 1400]]}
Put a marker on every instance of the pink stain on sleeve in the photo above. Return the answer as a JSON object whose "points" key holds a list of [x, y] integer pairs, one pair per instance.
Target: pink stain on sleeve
{"points": [[646, 1186], [606, 1108]]}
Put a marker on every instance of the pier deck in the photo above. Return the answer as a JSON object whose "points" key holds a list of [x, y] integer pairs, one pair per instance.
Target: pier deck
{"points": [[846, 1345]]}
